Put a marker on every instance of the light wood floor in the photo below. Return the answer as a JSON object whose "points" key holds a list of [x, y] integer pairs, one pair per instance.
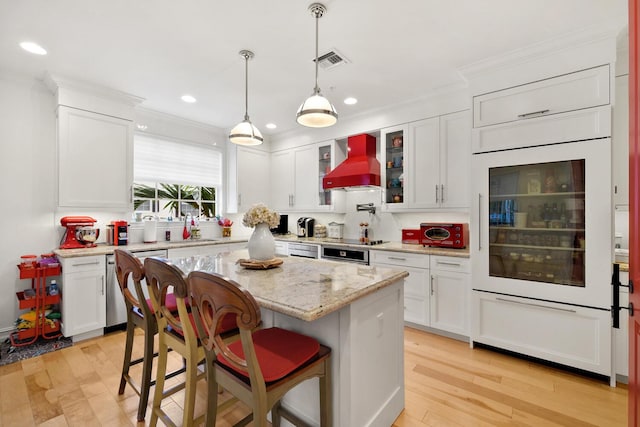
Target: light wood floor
{"points": [[446, 383]]}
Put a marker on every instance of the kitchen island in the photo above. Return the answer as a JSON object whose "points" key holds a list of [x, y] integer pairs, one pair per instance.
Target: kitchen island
{"points": [[355, 310]]}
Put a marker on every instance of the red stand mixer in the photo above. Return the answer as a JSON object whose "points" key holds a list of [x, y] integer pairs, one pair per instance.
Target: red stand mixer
{"points": [[80, 232]]}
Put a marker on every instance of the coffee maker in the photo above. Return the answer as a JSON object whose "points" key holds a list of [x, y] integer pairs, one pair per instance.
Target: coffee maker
{"points": [[305, 226]]}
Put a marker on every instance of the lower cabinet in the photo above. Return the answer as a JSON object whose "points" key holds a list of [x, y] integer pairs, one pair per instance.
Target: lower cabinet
{"points": [[83, 291], [437, 291], [570, 335], [204, 250], [450, 289], [282, 248]]}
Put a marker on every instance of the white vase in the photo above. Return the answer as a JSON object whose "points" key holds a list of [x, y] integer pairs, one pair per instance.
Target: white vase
{"points": [[262, 245]]}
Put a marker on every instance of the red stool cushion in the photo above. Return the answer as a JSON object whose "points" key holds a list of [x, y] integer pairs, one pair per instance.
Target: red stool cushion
{"points": [[279, 352], [170, 302]]}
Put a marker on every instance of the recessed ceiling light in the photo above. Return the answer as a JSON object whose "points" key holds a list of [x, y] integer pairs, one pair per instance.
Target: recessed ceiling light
{"points": [[141, 126], [350, 101], [271, 126], [188, 98], [33, 48]]}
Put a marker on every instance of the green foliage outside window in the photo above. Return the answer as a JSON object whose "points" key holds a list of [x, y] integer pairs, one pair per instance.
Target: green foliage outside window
{"points": [[178, 199]]}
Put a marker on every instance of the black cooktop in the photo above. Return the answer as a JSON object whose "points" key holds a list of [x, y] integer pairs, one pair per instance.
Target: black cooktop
{"points": [[358, 242]]}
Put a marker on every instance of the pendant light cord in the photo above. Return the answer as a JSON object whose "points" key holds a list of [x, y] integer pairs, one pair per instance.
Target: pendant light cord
{"points": [[318, 13], [246, 86]]}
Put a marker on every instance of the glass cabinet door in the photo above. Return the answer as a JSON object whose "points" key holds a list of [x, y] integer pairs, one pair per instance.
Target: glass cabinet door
{"points": [[324, 167], [394, 167], [537, 222]]}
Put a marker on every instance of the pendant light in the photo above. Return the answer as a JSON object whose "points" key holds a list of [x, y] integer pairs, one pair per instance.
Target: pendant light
{"points": [[316, 111], [245, 133]]}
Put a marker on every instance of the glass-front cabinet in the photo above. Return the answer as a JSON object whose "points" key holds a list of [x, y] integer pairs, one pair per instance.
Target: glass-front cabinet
{"points": [[328, 155], [393, 164], [542, 224], [324, 167], [537, 222]]}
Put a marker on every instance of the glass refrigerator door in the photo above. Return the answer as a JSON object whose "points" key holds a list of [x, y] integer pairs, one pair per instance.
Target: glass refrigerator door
{"points": [[542, 227], [537, 222]]}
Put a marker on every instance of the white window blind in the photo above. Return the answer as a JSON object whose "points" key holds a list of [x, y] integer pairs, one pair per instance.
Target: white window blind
{"points": [[159, 160]]}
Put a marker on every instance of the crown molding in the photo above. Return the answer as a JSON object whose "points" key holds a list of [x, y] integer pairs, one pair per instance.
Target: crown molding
{"points": [[56, 82]]}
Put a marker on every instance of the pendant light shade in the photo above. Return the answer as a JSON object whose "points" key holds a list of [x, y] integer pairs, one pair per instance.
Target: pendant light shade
{"points": [[245, 133], [316, 111]]}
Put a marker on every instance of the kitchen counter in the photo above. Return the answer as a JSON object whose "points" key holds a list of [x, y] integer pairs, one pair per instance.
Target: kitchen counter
{"points": [[389, 246], [104, 249], [303, 288], [355, 310]]}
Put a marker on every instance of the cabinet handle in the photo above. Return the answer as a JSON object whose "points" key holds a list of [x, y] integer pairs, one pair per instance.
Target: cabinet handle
{"points": [[239, 199], [453, 264], [534, 113], [102, 285], [86, 263], [436, 193], [568, 310], [397, 258], [441, 193], [479, 221], [431, 285]]}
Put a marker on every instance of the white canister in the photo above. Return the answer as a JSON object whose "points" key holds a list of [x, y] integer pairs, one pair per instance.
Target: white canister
{"points": [[334, 230], [150, 231]]}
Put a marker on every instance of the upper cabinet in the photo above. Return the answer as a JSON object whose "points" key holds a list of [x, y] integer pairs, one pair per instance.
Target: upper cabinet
{"points": [[253, 183], [296, 177], [95, 160], [94, 145], [426, 163]]}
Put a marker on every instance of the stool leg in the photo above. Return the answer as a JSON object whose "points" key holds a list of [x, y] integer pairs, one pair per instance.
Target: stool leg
{"points": [[160, 374], [326, 397], [147, 366], [191, 378], [212, 394], [275, 415], [126, 363]]}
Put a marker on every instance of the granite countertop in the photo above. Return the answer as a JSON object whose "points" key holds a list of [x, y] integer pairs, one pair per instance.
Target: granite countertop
{"points": [[389, 246], [103, 249], [303, 288]]}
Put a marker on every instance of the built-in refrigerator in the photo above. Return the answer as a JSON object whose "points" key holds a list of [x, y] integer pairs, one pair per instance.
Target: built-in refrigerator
{"points": [[541, 253]]}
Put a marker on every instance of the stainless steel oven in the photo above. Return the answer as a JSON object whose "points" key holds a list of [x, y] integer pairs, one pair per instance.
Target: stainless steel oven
{"points": [[348, 254]]}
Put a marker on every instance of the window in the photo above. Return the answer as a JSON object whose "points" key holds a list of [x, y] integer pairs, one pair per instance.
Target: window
{"points": [[174, 179]]}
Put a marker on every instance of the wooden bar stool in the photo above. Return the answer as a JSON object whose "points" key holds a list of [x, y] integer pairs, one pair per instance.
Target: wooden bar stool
{"points": [[139, 315], [261, 367], [177, 332]]}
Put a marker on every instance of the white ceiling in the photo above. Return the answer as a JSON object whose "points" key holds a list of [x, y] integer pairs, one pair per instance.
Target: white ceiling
{"points": [[161, 49]]}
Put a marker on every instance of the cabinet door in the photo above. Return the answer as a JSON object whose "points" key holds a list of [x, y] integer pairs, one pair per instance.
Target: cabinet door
{"points": [[450, 301], [423, 168], [394, 167], [282, 173], [620, 141], [253, 178], [305, 179], [95, 160], [455, 160], [83, 302]]}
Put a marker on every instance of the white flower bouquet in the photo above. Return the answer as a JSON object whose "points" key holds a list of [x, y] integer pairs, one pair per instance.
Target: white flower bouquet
{"points": [[258, 214]]}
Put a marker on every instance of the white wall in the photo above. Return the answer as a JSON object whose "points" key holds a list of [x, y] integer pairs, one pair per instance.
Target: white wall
{"points": [[27, 162]]}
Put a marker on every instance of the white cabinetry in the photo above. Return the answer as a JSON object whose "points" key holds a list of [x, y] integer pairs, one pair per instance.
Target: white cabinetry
{"points": [[569, 92], [282, 248], [571, 335], [95, 160], [252, 178], [216, 249], [450, 294], [620, 141], [435, 163], [83, 305], [416, 285], [296, 178]]}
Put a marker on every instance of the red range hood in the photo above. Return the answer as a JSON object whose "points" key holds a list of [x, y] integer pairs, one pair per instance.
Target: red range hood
{"points": [[361, 169]]}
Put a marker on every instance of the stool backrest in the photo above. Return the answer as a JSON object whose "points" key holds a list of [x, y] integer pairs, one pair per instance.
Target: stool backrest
{"points": [[128, 266], [212, 297], [164, 278]]}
